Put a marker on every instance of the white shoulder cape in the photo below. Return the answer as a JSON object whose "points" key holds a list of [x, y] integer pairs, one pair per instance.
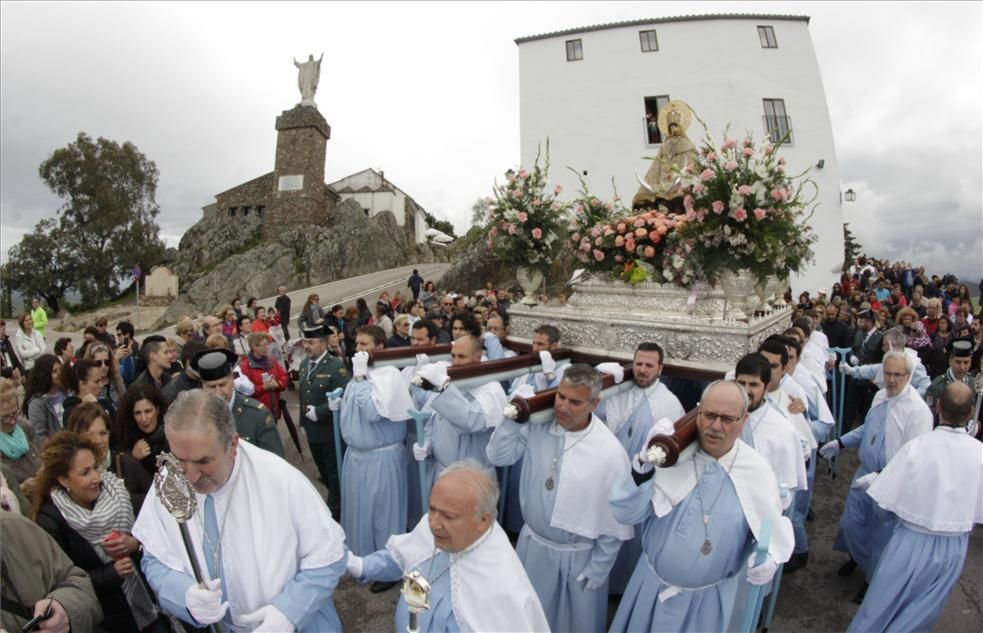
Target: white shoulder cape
{"points": [[390, 395], [780, 445], [489, 587], [935, 481], [756, 486], [907, 417], [780, 400], [277, 526]]}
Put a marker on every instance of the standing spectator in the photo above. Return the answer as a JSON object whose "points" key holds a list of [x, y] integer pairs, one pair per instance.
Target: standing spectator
{"points": [[338, 317], [91, 423], [228, 316], [102, 325], [401, 334], [348, 332], [158, 360], [185, 330], [266, 374], [128, 351], [39, 578], [17, 442], [140, 438], [250, 307], [43, 397], [414, 284], [39, 316], [364, 316], [29, 342], [244, 327], [311, 315], [10, 365], [382, 318], [283, 308], [428, 296], [397, 303], [65, 350], [89, 515], [260, 322], [237, 307]]}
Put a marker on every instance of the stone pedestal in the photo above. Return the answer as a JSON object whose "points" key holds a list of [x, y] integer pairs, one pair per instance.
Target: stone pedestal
{"points": [[612, 318]]}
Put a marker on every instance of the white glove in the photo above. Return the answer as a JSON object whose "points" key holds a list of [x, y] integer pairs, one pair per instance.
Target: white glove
{"points": [[591, 585], [421, 360], [525, 390], [863, 483], [662, 426], [435, 373], [334, 404], [829, 450], [854, 360], [614, 369], [354, 566], [486, 334], [310, 413], [205, 603], [763, 573], [549, 365], [244, 386], [360, 364], [420, 452], [268, 619], [849, 370]]}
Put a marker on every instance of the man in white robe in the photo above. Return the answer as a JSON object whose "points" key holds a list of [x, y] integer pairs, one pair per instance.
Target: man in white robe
{"points": [[699, 519], [934, 486], [570, 538], [477, 582], [894, 339], [630, 414], [265, 541], [897, 415]]}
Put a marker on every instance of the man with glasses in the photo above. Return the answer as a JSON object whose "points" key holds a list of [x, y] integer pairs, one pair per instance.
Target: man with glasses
{"points": [[897, 415], [698, 521]]}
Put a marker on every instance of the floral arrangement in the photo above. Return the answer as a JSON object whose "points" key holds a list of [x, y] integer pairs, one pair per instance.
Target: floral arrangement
{"points": [[588, 211], [743, 212], [525, 218]]}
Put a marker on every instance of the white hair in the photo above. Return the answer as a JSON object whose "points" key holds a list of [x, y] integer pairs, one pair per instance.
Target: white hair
{"points": [[485, 482], [909, 362], [744, 399]]}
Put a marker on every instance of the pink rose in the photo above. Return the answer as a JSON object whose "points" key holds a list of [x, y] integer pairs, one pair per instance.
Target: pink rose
{"points": [[749, 151], [760, 214], [701, 214], [523, 174], [621, 227], [740, 214], [575, 237], [729, 143], [494, 231], [688, 201], [598, 255], [579, 208], [706, 174], [598, 241], [777, 195], [663, 229], [712, 156], [584, 245], [536, 202], [698, 188], [523, 216], [511, 229], [619, 241], [489, 242], [744, 190], [517, 193], [630, 244], [619, 258], [639, 222], [537, 233], [595, 232], [718, 206], [690, 214], [649, 252], [654, 236], [558, 190], [730, 165], [641, 232]]}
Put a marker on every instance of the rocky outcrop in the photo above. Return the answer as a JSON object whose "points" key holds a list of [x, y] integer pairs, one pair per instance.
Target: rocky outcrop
{"points": [[225, 259]]}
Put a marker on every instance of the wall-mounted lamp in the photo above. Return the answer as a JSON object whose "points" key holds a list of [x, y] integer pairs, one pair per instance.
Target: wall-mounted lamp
{"points": [[850, 196], [821, 163]]}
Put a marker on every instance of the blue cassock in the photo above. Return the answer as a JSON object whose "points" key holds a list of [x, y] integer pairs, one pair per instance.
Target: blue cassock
{"points": [[671, 556], [864, 527], [457, 430], [373, 482], [439, 618], [553, 558], [912, 581]]}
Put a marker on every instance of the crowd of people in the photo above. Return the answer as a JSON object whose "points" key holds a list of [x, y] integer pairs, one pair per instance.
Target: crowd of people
{"points": [[430, 482]]}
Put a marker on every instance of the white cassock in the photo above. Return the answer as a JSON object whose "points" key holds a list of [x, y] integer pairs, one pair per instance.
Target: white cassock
{"points": [[769, 432], [482, 588], [280, 545], [934, 486]]}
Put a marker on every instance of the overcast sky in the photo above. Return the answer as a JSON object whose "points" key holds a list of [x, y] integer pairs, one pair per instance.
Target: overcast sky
{"points": [[429, 93]]}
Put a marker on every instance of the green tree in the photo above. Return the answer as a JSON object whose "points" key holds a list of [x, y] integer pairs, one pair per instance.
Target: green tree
{"points": [[109, 213], [479, 212], [851, 247], [441, 225], [43, 264]]}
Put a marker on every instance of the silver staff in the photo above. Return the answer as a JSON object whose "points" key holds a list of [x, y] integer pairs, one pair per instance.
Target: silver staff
{"points": [[177, 496], [416, 592]]}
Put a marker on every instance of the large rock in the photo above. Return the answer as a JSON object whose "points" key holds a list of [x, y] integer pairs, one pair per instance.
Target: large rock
{"points": [[299, 256]]}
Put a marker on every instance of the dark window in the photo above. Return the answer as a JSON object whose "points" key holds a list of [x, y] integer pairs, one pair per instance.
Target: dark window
{"points": [[575, 50], [366, 211], [650, 43], [778, 124], [245, 211], [653, 105], [260, 209], [232, 212], [767, 36]]}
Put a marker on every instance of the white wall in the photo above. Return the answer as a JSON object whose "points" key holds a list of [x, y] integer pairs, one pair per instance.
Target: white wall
{"points": [[376, 202], [592, 110]]}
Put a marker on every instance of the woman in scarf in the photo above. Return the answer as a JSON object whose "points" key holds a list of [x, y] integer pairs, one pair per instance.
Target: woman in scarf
{"points": [[265, 372], [88, 513], [17, 443], [244, 327], [44, 401], [139, 438], [90, 422], [311, 315], [428, 296], [28, 342]]}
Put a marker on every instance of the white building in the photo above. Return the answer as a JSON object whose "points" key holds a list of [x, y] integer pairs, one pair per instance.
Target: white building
{"points": [[589, 92], [375, 194]]}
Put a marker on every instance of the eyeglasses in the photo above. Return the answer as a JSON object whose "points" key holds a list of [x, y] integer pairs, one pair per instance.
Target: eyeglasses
{"points": [[895, 374], [710, 416], [104, 362]]}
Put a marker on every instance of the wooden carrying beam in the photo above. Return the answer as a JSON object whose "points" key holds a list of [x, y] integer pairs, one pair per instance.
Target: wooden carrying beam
{"points": [[543, 401]]}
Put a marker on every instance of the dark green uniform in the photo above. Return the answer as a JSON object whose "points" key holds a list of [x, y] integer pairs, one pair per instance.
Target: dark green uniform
{"points": [[255, 424], [934, 392], [317, 379]]}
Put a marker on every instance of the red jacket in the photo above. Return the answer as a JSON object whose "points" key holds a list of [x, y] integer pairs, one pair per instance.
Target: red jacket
{"points": [[271, 399]]}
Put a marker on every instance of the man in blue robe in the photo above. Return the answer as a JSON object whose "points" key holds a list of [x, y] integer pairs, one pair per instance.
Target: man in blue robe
{"points": [[699, 519]]}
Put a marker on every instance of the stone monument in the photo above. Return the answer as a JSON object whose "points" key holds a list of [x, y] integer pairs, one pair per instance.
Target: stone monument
{"points": [[308, 76]]}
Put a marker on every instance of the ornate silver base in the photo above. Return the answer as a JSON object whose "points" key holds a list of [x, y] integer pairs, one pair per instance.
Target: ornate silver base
{"points": [[613, 318]]}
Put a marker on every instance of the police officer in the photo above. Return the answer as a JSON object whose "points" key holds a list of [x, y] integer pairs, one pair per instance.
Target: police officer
{"points": [[320, 374], [254, 422], [959, 360]]}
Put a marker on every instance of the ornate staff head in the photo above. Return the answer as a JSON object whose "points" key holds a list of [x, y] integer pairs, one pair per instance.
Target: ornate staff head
{"points": [[416, 592], [173, 488]]}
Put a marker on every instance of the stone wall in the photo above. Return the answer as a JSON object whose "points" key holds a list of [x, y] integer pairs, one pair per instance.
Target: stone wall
{"points": [[249, 198]]}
